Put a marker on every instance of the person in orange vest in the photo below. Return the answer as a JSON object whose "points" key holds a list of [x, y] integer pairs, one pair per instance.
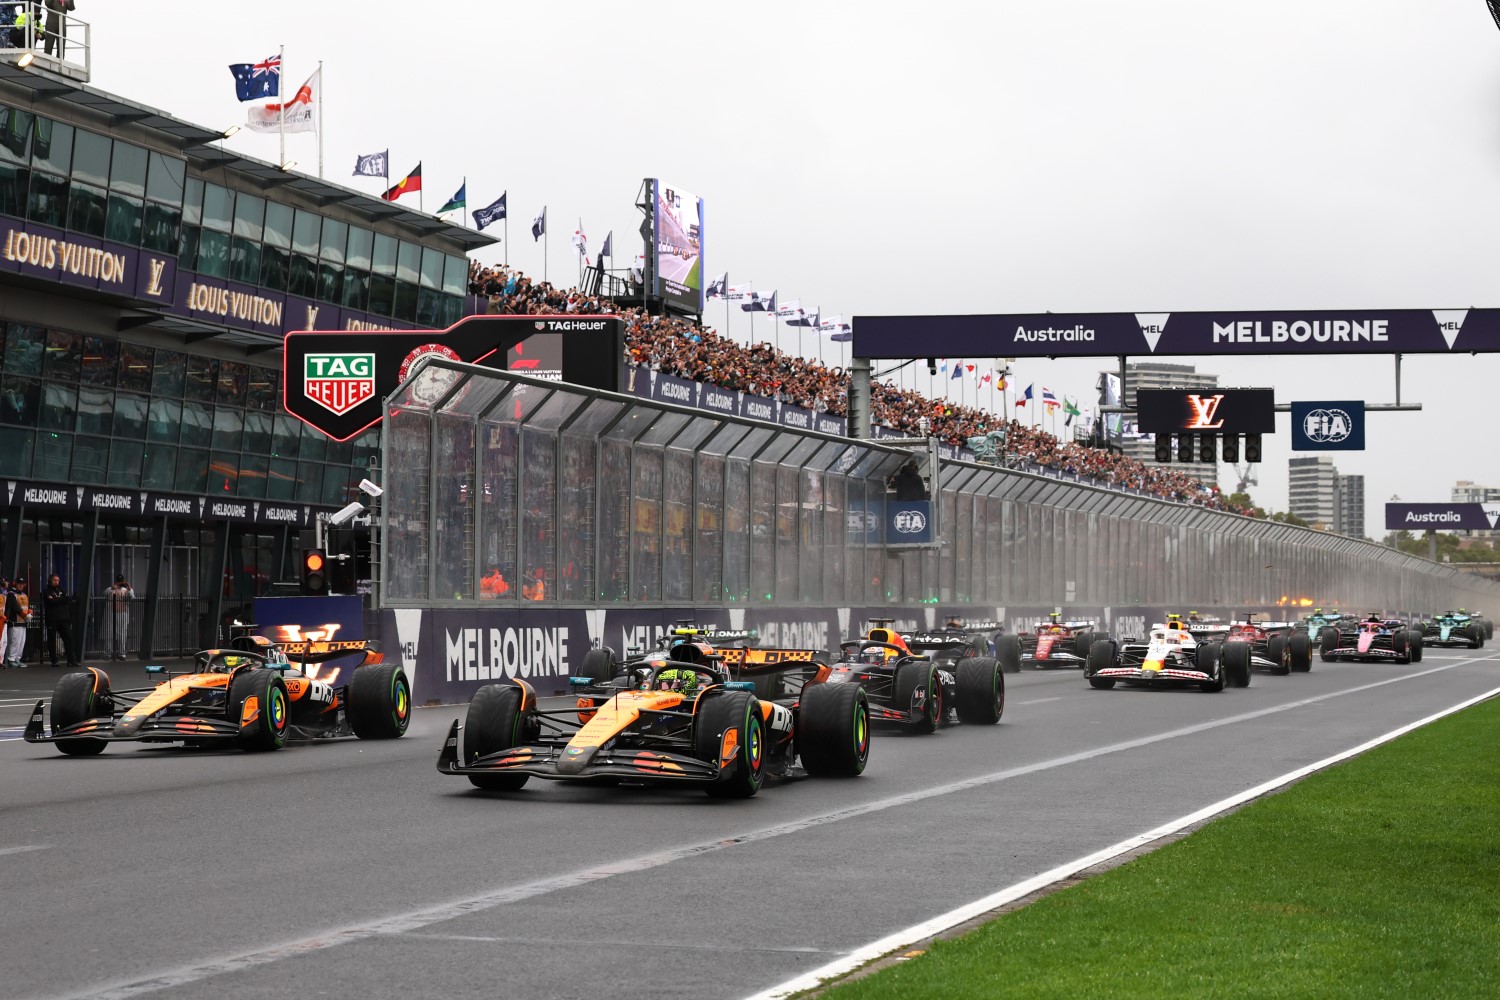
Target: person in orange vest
{"points": [[536, 590], [492, 585]]}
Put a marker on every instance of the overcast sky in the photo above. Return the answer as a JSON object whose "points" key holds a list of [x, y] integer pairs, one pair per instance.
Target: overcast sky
{"points": [[1004, 156]]}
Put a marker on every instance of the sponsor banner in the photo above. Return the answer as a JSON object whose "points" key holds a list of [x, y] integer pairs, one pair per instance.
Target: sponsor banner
{"points": [[336, 383], [1329, 426], [1354, 331], [908, 522], [314, 619], [150, 503], [796, 418], [1442, 516], [677, 220], [1218, 411], [649, 383]]}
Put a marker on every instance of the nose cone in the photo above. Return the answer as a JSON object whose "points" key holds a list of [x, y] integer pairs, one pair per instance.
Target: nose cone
{"points": [[130, 725]]}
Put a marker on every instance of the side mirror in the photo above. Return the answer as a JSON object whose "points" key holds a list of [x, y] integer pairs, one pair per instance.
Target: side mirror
{"points": [[580, 681], [156, 668]]}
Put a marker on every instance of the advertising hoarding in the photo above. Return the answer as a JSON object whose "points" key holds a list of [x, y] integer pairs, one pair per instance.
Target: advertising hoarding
{"points": [[1442, 516], [677, 218], [1337, 425], [1206, 411]]}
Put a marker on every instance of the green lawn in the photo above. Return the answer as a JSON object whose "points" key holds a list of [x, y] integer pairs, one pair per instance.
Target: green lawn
{"points": [[1377, 878]]}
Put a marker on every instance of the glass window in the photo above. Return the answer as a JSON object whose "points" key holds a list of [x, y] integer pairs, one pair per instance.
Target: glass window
{"points": [[261, 393], [202, 379], [160, 470], [224, 473], [273, 267], [54, 454], [86, 209], [249, 216], [218, 207], [309, 482], [90, 459], [124, 222], [385, 254], [168, 372], [52, 149], [16, 446], [192, 471], [93, 414], [281, 480], [313, 447], [213, 254], [25, 347], [257, 432], [159, 232], [303, 278], [229, 429], [406, 302], [125, 463], [91, 158], [382, 295], [15, 182], [127, 173], [360, 242], [284, 435], [64, 355], [130, 417], [187, 248], [165, 421], [408, 262], [101, 361], [429, 308], [15, 135], [135, 367], [335, 484], [456, 275], [19, 400], [234, 379], [307, 231], [330, 282], [164, 180], [278, 224], [58, 405], [254, 470], [356, 289], [335, 235], [49, 200], [192, 202], [432, 267], [197, 424], [244, 260]]}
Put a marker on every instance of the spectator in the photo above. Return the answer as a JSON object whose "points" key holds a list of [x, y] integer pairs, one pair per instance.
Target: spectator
{"points": [[492, 585], [4, 617], [120, 595], [908, 483], [57, 616], [17, 612], [57, 25]]}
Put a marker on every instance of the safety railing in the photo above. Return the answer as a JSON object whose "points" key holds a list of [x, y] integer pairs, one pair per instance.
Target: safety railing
{"points": [[47, 35]]}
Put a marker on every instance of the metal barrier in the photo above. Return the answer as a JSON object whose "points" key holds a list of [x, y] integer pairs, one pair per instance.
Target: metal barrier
{"points": [[514, 490], [52, 40], [182, 627]]}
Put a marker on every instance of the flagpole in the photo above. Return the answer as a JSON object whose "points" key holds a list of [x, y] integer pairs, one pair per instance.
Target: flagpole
{"points": [[507, 233], [320, 119], [281, 106]]}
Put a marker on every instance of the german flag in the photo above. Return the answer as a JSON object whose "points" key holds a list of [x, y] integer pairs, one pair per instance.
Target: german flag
{"points": [[406, 185]]}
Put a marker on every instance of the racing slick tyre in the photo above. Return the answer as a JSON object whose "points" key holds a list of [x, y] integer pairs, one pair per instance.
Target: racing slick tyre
{"points": [[981, 691], [494, 723], [1101, 655], [1299, 652], [77, 698], [1415, 644], [914, 677], [718, 713], [1275, 645], [833, 730], [379, 705], [1328, 641], [598, 665], [267, 731], [1210, 661], [1401, 643], [1234, 660], [1008, 652]]}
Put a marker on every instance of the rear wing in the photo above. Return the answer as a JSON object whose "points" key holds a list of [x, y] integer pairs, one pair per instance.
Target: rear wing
{"points": [[761, 662], [935, 640], [714, 635]]}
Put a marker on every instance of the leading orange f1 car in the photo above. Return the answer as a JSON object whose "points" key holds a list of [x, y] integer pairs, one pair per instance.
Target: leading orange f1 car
{"points": [[670, 717], [251, 698]]}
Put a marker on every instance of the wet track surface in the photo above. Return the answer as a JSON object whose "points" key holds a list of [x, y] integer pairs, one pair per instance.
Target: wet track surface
{"points": [[355, 869]]}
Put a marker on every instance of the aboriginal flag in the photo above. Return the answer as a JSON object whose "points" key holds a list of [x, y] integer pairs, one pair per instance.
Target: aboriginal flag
{"points": [[406, 185]]}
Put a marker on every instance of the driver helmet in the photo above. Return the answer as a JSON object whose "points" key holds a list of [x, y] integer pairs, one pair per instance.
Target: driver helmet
{"points": [[873, 655], [226, 663], [677, 680]]}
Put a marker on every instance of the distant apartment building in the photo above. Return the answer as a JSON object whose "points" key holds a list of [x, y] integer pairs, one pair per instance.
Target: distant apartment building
{"points": [[1157, 375], [1313, 491], [1351, 519]]}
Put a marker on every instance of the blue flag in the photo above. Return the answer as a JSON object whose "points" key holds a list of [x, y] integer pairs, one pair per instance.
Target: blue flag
{"points": [[493, 212], [256, 81], [608, 249]]}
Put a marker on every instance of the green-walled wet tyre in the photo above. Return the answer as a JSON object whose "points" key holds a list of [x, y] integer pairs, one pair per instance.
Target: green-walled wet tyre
{"points": [[718, 713], [494, 723], [267, 730], [833, 730], [379, 705], [78, 698]]}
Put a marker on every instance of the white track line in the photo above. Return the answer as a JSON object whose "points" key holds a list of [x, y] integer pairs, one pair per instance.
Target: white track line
{"points": [[23, 849], [415, 920], [937, 925]]}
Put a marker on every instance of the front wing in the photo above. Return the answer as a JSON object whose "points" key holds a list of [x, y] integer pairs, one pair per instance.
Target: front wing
{"points": [[1166, 675], [543, 760], [1373, 653], [160, 729], [1055, 657]]}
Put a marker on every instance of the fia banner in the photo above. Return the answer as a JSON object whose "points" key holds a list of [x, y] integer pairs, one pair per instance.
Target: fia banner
{"points": [[1328, 426]]}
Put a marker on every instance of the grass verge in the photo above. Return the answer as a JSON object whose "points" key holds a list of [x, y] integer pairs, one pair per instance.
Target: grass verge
{"points": [[1376, 878]]}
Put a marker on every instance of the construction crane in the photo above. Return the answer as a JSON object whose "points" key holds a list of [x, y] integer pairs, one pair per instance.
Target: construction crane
{"points": [[1246, 474]]}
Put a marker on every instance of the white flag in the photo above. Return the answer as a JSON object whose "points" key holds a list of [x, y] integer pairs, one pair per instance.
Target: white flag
{"points": [[300, 111]]}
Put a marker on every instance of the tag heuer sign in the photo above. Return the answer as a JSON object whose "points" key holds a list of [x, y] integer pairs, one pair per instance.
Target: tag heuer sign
{"points": [[338, 382]]}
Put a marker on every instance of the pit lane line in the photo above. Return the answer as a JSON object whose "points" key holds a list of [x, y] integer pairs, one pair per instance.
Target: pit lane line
{"points": [[936, 926], [415, 920]]}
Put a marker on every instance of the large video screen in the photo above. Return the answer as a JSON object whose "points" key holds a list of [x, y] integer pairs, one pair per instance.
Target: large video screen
{"points": [[679, 247], [1221, 411]]}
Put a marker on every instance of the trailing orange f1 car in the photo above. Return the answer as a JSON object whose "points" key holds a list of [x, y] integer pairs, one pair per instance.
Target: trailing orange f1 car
{"points": [[251, 698], [670, 717]]}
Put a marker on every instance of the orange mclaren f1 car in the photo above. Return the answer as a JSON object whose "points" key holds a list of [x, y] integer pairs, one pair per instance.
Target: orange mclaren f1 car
{"points": [[673, 716], [251, 698]]}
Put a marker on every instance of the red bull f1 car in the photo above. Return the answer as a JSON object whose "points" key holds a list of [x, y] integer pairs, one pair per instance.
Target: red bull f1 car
{"points": [[916, 688], [1373, 639], [1169, 657], [1053, 643], [672, 718], [249, 698]]}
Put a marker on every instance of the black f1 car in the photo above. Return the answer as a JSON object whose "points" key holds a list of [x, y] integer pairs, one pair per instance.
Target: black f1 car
{"points": [[677, 717], [249, 698], [914, 690]]}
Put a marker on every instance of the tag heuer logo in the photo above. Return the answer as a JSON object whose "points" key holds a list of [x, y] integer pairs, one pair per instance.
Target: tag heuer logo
{"points": [[338, 382], [540, 324]]}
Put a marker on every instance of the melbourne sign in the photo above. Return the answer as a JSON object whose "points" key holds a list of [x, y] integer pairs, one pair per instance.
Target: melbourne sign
{"points": [[150, 503], [1442, 516], [1206, 411], [336, 381], [1392, 331], [1328, 426]]}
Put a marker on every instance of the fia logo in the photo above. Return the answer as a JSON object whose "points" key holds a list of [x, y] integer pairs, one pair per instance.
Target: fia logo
{"points": [[1204, 408], [910, 522], [1328, 426]]}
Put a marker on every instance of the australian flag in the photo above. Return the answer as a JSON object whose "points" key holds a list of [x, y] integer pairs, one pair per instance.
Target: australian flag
{"points": [[257, 81], [493, 212]]}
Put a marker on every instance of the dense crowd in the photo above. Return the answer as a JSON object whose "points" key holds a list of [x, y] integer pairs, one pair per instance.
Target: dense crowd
{"points": [[682, 348]]}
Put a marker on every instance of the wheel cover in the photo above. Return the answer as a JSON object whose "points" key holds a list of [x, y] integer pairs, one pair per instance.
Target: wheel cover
{"points": [[934, 699], [861, 730], [402, 700], [278, 709], [753, 744]]}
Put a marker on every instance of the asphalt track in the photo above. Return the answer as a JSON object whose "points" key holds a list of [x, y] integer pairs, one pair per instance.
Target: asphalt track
{"points": [[354, 869]]}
